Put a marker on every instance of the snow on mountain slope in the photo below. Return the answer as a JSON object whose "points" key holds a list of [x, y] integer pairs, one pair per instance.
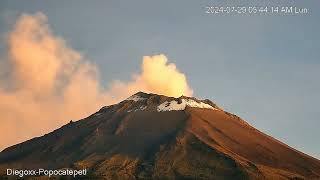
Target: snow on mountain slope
{"points": [[135, 98], [169, 104], [178, 106], [150, 136]]}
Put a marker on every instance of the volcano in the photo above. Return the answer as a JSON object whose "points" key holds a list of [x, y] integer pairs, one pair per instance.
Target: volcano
{"points": [[150, 136]]}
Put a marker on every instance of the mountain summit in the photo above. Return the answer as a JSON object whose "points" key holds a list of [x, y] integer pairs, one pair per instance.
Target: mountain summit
{"points": [[150, 136]]}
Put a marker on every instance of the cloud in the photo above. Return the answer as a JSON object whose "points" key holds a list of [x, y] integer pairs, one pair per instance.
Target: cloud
{"points": [[46, 83], [157, 76]]}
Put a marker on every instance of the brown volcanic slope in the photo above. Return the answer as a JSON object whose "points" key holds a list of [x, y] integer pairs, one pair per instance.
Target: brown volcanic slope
{"points": [[132, 140]]}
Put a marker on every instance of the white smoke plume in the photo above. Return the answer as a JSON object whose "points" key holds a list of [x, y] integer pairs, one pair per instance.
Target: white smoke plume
{"points": [[44, 83]]}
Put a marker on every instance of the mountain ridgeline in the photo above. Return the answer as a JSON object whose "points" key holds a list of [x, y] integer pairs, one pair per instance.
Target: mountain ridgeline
{"points": [[150, 136]]}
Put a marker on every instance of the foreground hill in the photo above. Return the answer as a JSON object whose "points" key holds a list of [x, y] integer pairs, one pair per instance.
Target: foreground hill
{"points": [[149, 136]]}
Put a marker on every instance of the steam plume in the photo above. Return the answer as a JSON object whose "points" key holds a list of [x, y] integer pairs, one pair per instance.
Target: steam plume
{"points": [[48, 83]]}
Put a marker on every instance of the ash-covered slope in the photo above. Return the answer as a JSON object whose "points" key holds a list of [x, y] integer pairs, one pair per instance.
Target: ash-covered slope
{"points": [[149, 136]]}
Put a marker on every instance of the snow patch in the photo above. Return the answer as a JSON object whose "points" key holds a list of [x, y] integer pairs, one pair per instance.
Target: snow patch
{"points": [[175, 106], [141, 108], [135, 98], [171, 106]]}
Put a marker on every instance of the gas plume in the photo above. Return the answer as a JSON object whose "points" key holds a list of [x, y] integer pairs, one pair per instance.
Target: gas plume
{"points": [[44, 83]]}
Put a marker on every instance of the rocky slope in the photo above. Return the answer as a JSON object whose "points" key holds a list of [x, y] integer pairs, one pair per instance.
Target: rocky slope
{"points": [[149, 136]]}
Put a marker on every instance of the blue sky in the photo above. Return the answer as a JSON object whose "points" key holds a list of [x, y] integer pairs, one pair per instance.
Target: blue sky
{"points": [[263, 68]]}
